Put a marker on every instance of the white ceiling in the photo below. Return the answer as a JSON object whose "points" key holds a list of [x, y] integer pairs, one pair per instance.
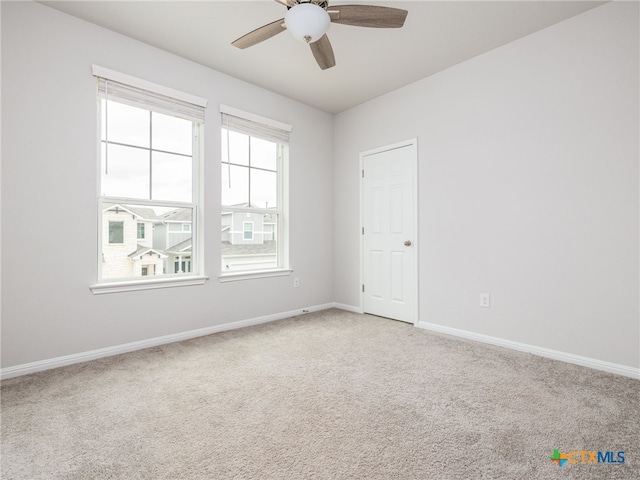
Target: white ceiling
{"points": [[369, 61]]}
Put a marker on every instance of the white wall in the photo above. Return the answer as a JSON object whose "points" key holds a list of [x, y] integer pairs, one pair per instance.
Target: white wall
{"points": [[528, 181], [49, 212], [528, 188]]}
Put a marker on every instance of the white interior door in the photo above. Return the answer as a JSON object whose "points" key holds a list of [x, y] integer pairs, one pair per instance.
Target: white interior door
{"points": [[389, 232]]}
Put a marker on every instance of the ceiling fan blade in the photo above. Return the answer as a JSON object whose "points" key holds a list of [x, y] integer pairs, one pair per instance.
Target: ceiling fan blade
{"points": [[260, 34], [287, 3], [368, 16], [323, 52]]}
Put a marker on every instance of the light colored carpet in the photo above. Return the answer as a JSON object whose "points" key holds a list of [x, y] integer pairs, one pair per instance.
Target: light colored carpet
{"points": [[328, 395]]}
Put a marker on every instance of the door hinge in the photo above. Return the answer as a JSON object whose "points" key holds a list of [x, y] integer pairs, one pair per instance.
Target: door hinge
{"points": [[363, 230], [363, 288], [362, 173]]}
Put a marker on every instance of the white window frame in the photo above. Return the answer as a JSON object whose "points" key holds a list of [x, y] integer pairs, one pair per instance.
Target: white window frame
{"points": [[282, 212], [163, 100]]}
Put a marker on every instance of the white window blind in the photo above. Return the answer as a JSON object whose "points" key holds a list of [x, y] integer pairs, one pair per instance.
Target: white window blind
{"points": [[255, 126], [137, 92]]}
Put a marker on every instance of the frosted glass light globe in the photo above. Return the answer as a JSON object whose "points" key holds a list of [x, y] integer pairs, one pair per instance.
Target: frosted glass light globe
{"points": [[307, 22]]}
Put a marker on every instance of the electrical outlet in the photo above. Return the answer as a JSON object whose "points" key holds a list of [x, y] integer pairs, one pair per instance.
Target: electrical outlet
{"points": [[485, 300], [296, 282]]}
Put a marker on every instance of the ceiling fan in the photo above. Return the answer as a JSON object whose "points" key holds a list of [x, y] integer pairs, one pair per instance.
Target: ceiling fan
{"points": [[309, 20]]}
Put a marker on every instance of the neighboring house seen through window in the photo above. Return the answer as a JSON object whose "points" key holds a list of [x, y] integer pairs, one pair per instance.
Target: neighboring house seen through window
{"points": [[150, 161]]}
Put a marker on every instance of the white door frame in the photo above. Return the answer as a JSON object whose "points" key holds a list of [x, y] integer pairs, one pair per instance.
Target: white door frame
{"points": [[413, 143]]}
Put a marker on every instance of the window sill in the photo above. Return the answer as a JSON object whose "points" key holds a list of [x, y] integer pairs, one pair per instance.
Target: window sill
{"points": [[236, 276], [134, 285]]}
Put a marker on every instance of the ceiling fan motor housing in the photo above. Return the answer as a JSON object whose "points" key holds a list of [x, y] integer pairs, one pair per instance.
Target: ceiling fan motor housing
{"points": [[321, 3], [307, 22]]}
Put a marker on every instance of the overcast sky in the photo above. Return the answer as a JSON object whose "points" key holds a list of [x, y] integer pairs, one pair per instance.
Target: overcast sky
{"points": [[128, 171]]}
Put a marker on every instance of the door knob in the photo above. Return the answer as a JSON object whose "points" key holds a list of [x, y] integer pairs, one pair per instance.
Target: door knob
{"points": [[407, 243]]}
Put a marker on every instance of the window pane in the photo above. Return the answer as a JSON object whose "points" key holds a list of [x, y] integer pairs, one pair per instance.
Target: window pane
{"points": [[171, 177], [126, 124], [126, 254], [171, 134], [247, 228], [264, 189], [235, 188], [239, 252], [238, 147], [264, 154], [250, 171], [125, 171]]}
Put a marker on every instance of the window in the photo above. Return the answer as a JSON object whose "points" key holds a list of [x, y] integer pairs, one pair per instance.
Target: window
{"points": [[247, 228], [116, 232], [150, 159], [254, 194]]}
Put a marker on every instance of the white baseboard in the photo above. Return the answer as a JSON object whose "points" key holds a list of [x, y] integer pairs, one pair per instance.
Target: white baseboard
{"points": [[348, 308], [540, 351], [48, 364], [63, 361]]}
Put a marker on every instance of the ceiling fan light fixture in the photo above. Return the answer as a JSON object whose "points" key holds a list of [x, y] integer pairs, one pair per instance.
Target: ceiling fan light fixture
{"points": [[307, 22]]}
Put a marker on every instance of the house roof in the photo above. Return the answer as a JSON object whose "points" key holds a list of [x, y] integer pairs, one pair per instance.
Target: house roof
{"points": [[268, 247], [182, 247], [141, 250], [143, 213], [241, 205], [182, 215]]}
